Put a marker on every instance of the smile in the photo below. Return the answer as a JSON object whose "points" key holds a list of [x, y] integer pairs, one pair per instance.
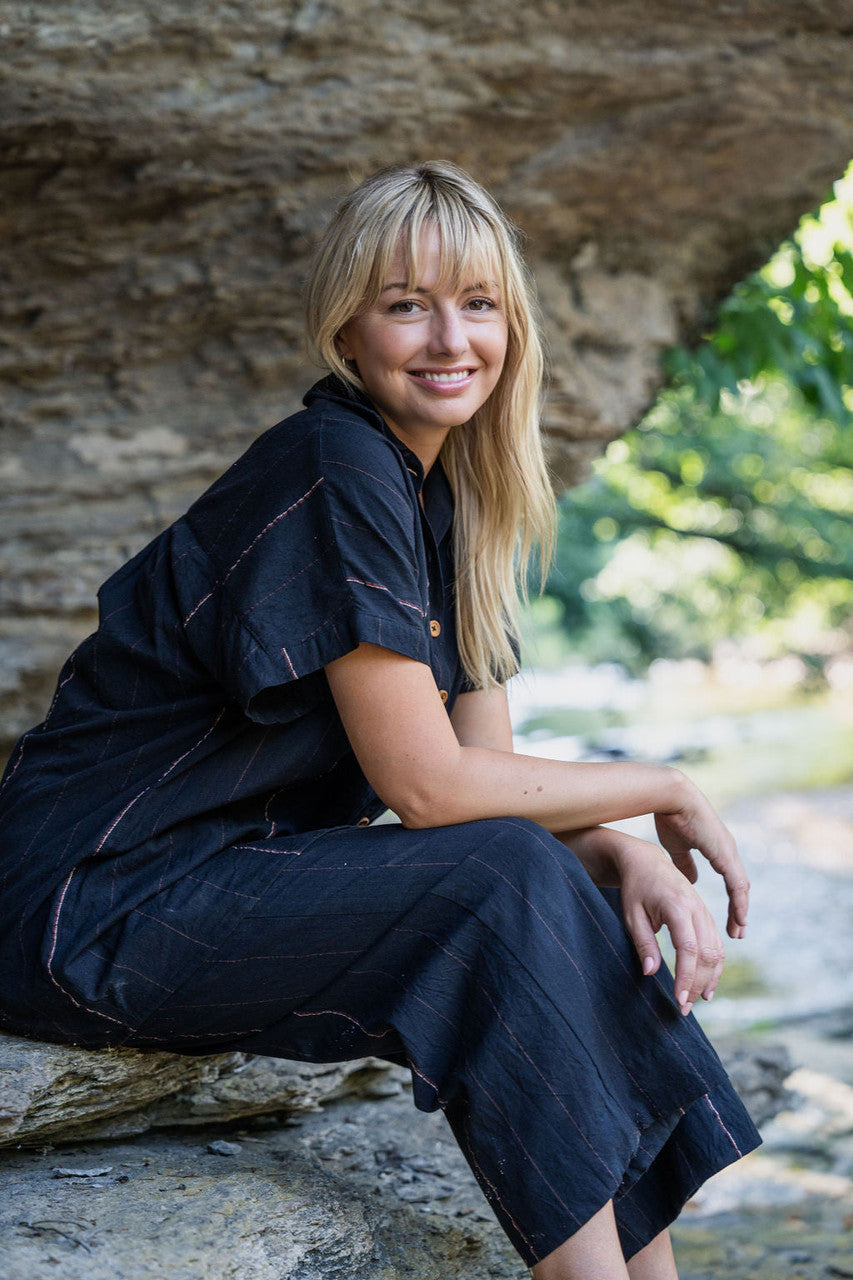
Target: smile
{"points": [[451, 376]]}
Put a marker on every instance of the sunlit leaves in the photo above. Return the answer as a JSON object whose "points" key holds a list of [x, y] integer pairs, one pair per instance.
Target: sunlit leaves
{"points": [[729, 511]]}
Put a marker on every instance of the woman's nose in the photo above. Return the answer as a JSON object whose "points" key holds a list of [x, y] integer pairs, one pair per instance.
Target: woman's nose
{"points": [[447, 332]]}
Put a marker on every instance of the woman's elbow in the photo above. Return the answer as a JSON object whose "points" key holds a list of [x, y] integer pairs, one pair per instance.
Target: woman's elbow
{"points": [[418, 812], [422, 805]]}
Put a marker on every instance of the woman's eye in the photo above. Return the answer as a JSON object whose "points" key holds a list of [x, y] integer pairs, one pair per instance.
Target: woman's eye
{"points": [[405, 307], [482, 304]]}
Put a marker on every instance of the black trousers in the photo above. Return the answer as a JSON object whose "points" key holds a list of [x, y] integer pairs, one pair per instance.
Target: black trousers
{"points": [[479, 955]]}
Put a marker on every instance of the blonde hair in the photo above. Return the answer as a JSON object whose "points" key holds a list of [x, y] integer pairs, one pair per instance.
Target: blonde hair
{"points": [[494, 463]]}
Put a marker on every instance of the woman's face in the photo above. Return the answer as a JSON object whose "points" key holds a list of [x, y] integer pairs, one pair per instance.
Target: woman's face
{"points": [[428, 357]]}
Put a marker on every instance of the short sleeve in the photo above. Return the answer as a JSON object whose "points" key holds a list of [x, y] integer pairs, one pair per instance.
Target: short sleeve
{"points": [[309, 546]]}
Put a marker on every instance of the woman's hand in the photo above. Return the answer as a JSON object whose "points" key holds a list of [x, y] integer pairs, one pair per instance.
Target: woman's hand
{"points": [[694, 824], [655, 893]]}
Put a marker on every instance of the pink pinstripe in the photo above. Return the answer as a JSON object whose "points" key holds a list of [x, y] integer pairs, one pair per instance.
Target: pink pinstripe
{"points": [[252, 544], [638, 985], [49, 962], [579, 972], [348, 466], [252, 897], [378, 586], [290, 665], [476, 1163], [300, 955], [339, 1013], [173, 929], [162, 778], [281, 516], [722, 1125], [458, 960]]}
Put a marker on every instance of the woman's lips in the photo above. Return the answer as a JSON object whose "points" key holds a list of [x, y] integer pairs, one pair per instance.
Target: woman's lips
{"points": [[443, 379]]}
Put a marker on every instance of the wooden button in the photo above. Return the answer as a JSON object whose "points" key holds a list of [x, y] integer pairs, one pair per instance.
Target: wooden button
{"points": [[435, 628], [363, 822], [442, 693]]}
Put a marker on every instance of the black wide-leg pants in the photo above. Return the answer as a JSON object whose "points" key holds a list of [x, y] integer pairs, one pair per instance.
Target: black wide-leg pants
{"points": [[482, 957]]}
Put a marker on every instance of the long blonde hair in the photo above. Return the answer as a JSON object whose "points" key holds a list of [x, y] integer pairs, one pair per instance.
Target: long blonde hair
{"points": [[494, 463]]}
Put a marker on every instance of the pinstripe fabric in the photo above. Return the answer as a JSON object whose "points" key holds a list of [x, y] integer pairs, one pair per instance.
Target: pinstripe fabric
{"points": [[197, 717], [181, 865]]}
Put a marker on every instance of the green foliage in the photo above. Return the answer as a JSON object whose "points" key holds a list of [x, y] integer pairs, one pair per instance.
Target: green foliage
{"points": [[729, 511]]}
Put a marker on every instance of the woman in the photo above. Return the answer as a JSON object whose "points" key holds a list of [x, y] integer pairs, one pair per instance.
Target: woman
{"points": [[187, 856]]}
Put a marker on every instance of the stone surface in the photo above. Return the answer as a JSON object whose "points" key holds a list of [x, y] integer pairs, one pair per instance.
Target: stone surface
{"points": [[381, 1192], [45, 1087], [166, 168], [171, 1208], [52, 1093]]}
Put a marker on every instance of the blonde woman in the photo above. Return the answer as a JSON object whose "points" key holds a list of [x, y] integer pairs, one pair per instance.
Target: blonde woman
{"points": [[187, 849]]}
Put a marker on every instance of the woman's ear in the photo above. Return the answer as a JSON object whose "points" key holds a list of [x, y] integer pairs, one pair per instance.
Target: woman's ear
{"points": [[342, 347]]}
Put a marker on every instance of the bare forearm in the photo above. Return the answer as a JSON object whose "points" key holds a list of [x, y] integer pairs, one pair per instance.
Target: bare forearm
{"points": [[562, 796]]}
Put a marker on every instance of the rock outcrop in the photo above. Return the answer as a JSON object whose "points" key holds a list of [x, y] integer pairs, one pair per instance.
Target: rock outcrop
{"points": [[53, 1093], [344, 1179], [166, 168]]}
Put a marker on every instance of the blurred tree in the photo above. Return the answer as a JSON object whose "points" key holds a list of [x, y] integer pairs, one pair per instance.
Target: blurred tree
{"points": [[729, 510]]}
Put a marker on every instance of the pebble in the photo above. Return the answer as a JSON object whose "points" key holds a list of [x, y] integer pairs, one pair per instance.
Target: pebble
{"points": [[222, 1148]]}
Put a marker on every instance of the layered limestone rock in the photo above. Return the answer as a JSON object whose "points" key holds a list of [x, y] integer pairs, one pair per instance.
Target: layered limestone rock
{"points": [[166, 169], [56, 1093]]}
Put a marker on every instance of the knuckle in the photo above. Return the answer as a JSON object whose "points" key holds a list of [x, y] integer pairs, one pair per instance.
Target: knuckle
{"points": [[680, 901]]}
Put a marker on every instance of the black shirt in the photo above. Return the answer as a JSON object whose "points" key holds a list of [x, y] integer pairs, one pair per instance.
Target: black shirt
{"points": [[198, 715]]}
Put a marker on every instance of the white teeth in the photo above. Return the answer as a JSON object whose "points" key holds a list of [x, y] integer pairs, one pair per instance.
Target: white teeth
{"points": [[445, 377]]}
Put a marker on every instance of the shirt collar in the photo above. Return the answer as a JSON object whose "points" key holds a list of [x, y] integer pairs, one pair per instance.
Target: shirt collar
{"points": [[437, 496]]}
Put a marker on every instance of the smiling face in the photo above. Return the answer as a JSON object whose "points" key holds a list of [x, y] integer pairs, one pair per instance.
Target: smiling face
{"points": [[431, 355]]}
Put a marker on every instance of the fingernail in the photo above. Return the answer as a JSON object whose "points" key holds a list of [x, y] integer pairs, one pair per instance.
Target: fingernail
{"points": [[648, 965], [685, 1008], [707, 995], [683, 998]]}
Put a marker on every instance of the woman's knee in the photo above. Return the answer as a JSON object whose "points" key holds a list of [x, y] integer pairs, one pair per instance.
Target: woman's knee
{"points": [[520, 856]]}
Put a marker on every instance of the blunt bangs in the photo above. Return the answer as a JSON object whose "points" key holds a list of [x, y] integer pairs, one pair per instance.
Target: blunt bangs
{"points": [[470, 249]]}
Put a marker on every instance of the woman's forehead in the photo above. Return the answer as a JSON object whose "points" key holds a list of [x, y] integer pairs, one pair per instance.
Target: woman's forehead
{"points": [[431, 257]]}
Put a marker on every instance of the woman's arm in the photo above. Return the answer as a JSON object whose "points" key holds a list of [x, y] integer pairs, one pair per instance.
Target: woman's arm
{"points": [[481, 719], [410, 754], [413, 758], [654, 892]]}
